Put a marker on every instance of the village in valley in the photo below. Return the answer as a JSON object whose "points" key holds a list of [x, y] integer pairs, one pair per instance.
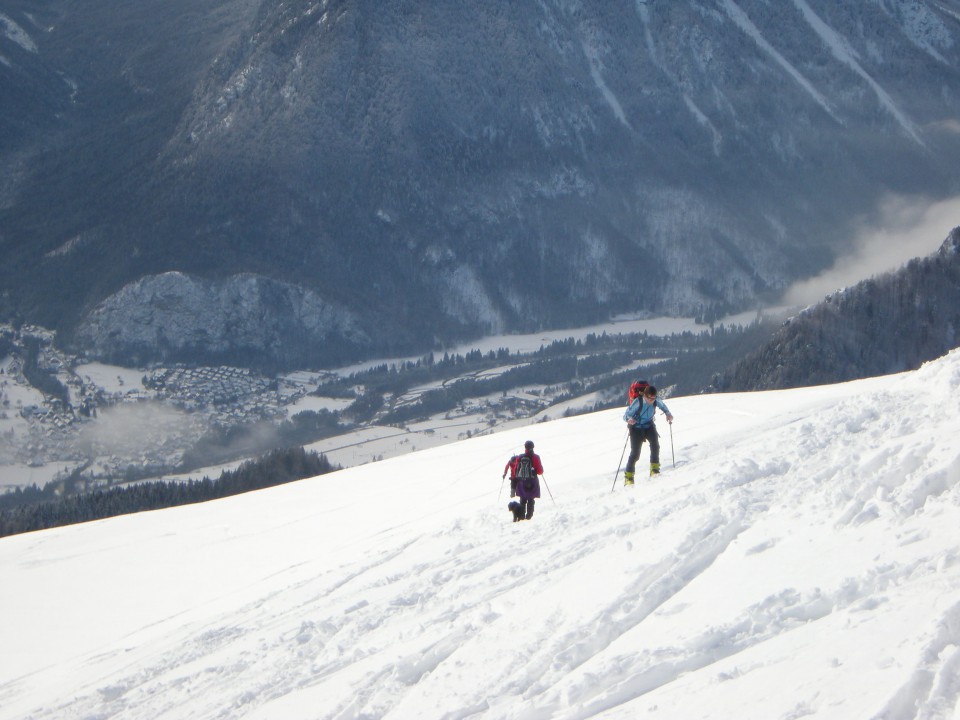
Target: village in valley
{"points": [[64, 416], [115, 422]]}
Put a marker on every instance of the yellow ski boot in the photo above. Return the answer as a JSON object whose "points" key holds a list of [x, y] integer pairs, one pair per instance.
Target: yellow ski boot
{"points": [[627, 479], [654, 469]]}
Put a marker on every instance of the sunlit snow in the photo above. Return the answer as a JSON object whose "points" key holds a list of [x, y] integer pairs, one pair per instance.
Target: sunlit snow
{"points": [[798, 557]]}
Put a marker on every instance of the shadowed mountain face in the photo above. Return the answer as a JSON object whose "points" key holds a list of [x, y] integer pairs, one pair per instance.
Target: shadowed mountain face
{"points": [[887, 324], [425, 171]]}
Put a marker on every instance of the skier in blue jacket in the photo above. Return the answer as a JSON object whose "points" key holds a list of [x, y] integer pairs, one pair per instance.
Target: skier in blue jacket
{"points": [[639, 418]]}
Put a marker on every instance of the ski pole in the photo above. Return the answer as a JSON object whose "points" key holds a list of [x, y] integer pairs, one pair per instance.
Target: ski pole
{"points": [[548, 488], [672, 453], [502, 481], [617, 474]]}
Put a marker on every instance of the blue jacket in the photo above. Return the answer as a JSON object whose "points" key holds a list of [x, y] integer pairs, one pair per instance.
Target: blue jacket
{"points": [[643, 412]]}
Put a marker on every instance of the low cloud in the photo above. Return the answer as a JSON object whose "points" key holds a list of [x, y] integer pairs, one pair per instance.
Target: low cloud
{"points": [[906, 228], [131, 429], [950, 125]]}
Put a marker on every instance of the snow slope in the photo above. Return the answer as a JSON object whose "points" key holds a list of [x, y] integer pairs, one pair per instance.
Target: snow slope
{"points": [[802, 559]]}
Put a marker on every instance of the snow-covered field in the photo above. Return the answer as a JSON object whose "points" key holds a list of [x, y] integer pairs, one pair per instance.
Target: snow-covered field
{"points": [[801, 559]]}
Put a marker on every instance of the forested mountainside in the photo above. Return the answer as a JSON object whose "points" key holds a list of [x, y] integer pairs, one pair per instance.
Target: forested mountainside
{"points": [[304, 181], [887, 324]]}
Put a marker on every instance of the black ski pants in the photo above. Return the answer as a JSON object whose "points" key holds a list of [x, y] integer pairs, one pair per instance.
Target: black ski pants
{"points": [[526, 508], [637, 436]]}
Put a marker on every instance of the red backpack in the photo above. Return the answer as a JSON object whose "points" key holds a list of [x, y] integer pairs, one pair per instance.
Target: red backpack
{"points": [[636, 390]]}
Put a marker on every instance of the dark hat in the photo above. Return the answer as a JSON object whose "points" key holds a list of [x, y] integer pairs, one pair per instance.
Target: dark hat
{"points": [[528, 444]]}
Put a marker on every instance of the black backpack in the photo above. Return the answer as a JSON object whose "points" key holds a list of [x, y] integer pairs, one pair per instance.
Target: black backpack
{"points": [[525, 472]]}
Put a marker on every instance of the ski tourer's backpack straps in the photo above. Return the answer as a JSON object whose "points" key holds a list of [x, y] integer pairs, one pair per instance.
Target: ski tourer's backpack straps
{"points": [[524, 467], [526, 474]]}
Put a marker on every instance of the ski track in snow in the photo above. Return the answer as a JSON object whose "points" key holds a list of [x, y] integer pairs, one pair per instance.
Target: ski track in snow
{"points": [[599, 606]]}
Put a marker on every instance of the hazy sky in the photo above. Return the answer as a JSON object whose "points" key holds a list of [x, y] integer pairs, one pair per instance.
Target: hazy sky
{"points": [[906, 228]]}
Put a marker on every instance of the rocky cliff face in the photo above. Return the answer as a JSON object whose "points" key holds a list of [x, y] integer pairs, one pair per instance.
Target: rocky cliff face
{"points": [[443, 169], [245, 318]]}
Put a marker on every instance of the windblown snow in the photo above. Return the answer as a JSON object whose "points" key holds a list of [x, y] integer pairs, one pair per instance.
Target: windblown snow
{"points": [[798, 557]]}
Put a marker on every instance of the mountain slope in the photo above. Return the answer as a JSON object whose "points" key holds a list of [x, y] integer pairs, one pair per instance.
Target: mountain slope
{"points": [[482, 168], [800, 560], [887, 324]]}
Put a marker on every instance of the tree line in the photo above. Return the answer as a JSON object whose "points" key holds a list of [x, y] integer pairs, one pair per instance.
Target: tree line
{"points": [[890, 323], [26, 510]]}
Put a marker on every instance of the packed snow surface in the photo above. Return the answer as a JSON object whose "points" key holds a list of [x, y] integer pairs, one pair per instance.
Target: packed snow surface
{"points": [[798, 557]]}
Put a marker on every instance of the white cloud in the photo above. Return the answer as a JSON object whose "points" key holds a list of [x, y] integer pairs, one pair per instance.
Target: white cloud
{"points": [[950, 125], [906, 228]]}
